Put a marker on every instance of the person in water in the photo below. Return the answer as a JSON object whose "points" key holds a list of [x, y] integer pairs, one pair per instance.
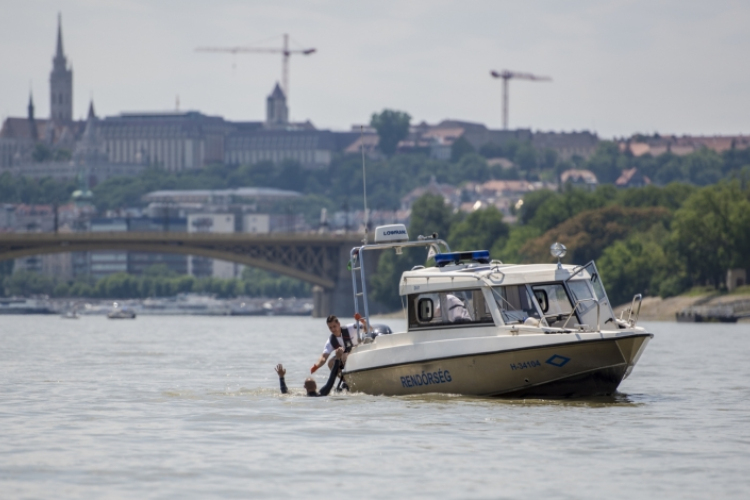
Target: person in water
{"points": [[310, 385], [341, 337]]}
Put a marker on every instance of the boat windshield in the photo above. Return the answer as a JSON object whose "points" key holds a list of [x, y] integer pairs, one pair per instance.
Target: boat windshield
{"points": [[554, 302], [515, 303]]}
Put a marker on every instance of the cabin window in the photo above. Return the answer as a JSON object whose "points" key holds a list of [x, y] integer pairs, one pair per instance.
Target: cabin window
{"points": [[556, 305], [515, 303], [448, 308]]}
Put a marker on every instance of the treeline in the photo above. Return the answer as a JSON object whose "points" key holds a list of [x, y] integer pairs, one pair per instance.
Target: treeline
{"points": [[18, 189], [156, 282], [389, 179], [339, 185], [651, 240]]}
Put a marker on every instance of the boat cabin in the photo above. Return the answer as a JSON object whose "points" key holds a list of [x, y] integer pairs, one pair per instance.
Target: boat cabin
{"points": [[467, 289], [477, 294]]}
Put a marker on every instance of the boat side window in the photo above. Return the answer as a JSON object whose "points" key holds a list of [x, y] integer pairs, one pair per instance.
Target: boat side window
{"points": [[515, 303], [555, 304], [448, 308]]}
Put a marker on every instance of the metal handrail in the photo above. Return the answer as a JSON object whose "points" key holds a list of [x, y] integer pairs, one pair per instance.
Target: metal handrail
{"points": [[357, 254], [598, 311], [632, 321]]}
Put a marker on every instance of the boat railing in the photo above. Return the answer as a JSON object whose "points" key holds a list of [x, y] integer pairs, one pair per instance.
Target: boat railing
{"points": [[633, 320], [580, 301], [357, 261]]}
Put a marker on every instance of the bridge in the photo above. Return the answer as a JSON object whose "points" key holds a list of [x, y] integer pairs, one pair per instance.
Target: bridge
{"points": [[318, 259]]}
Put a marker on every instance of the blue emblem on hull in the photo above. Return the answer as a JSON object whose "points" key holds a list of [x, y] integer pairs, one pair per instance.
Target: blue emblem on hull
{"points": [[557, 360]]}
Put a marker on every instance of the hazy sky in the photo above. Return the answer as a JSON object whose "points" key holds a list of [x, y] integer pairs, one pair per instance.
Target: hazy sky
{"points": [[619, 67]]}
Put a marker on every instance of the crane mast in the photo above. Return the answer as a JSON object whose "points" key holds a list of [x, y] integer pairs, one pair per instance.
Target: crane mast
{"points": [[506, 76]]}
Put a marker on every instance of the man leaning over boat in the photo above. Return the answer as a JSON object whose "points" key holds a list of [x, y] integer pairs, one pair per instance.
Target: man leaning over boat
{"points": [[341, 338]]}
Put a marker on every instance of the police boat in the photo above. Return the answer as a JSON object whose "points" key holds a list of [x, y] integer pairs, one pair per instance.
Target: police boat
{"points": [[480, 327]]}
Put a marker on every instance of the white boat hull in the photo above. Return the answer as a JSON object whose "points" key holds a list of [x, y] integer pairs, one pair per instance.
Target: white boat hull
{"points": [[568, 365]]}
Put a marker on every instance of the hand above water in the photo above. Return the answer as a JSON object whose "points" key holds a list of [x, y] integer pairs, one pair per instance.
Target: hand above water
{"points": [[280, 370]]}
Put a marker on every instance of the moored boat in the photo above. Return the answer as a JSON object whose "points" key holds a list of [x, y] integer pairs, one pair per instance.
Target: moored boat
{"points": [[481, 327]]}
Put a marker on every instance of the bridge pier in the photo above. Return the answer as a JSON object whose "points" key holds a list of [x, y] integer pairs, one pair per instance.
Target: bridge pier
{"points": [[340, 300]]}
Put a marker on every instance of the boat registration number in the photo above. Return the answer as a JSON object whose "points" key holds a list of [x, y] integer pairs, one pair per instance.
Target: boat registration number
{"points": [[525, 364]]}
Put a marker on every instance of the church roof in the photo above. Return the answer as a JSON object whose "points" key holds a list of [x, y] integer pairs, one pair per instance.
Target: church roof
{"points": [[18, 128], [277, 92]]}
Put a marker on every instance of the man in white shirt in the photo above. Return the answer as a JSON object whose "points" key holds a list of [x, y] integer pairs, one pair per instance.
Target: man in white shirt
{"points": [[457, 312], [343, 338]]}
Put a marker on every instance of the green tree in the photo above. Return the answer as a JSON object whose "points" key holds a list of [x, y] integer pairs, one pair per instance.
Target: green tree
{"points": [[429, 214], [510, 251], [460, 148], [607, 162], [638, 264], [41, 152], [710, 232], [480, 230], [591, 231], [25, 283], [392, 127]]}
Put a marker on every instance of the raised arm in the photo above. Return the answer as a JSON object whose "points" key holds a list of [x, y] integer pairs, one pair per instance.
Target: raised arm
{"points": [[280, 371]]}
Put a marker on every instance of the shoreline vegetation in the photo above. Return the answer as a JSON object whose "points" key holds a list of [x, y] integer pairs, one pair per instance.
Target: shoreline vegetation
{"points": [[658, 241], [661, 241]]}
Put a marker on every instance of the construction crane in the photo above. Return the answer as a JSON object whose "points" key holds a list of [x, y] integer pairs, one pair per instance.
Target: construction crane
{"points": [[285, 52], [507, 75]]}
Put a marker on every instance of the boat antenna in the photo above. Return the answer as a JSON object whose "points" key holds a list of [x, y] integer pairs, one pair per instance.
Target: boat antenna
{"points": [[364, 177]]}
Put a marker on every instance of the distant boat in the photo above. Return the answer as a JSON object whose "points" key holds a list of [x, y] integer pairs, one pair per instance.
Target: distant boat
{"points": [[69, 315], [120, 313]]}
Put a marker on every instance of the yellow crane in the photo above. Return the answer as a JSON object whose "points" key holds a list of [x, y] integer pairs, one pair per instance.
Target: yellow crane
{"points": [[285, 52], [507, 75]]}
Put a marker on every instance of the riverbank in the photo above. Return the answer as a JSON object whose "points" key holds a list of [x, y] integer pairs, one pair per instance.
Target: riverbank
{"points": [[183, 304], [659, 309]]}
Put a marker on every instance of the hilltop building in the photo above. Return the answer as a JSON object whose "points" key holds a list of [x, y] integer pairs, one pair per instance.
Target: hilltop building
{"points": [[656, 145]]}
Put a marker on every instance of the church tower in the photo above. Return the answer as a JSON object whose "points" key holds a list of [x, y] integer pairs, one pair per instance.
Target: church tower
{"points": [[61, 83], [277, 114]]}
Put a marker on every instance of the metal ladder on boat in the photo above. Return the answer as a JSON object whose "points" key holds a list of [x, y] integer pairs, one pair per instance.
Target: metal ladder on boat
{"points": [[357, 261]]}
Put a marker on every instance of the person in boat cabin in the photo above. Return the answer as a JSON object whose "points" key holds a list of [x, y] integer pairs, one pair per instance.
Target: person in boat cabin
{"points": [[311, 387], [457, 312], [343, 338]]}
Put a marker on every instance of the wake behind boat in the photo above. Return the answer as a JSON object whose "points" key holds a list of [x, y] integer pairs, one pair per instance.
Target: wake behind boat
{"points": [[481, 327]]}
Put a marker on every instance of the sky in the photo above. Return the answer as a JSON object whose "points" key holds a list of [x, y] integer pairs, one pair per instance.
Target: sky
{"points": [[618, 67]]}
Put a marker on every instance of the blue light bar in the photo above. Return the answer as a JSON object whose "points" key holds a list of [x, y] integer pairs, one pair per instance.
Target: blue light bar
{"points": [[480, 256]]}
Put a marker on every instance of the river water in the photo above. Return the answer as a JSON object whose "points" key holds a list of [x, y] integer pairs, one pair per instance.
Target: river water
{"points": [[189, 407]]}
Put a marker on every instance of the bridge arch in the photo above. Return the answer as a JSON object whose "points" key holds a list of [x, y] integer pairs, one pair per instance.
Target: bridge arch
{"points": [[317, 259]]}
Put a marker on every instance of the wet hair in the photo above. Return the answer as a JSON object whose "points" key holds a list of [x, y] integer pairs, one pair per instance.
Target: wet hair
{"points": [[310, 381], [331, 318]]}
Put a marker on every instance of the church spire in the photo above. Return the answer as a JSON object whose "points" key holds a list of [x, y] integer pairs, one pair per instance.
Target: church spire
{"points": [[31, 106], [33, 132], [91, 114], [61, 82], [59, 52]]}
